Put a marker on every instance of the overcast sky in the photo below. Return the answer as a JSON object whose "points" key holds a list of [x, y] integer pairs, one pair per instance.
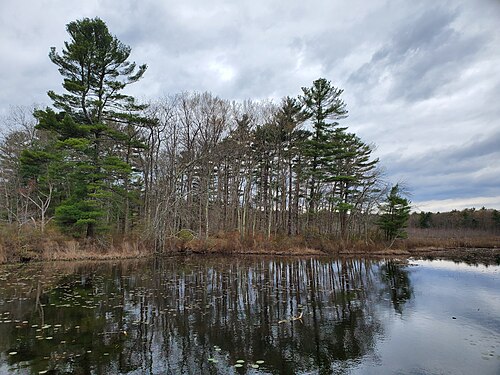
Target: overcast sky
{"points": [[421, 78]]}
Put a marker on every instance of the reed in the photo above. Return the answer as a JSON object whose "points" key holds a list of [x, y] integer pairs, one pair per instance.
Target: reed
{"points": [[29, 244], [448, 238]]}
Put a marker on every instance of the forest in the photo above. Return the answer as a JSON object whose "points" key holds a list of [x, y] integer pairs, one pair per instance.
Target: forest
{"points": [[187, 171]]}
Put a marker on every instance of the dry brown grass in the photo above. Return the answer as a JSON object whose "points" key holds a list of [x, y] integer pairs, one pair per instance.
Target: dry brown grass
{"points": [[447, 239], [222, 243], [74, 250], [232, 243], [3, 254], [31, 245]]}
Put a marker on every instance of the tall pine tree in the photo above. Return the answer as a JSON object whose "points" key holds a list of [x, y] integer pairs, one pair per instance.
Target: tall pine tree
{"points": [[93, 125], [323, 106]]}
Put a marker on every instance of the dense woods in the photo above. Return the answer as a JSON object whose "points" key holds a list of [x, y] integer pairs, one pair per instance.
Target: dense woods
{"points": [[486, 220], [189, 166]]}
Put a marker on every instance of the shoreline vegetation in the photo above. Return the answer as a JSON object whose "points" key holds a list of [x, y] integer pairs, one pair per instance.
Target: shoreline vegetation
{"points": [[471, 246]]}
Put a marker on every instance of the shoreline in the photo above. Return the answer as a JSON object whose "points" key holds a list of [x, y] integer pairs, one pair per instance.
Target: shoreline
{"points": [[474, 255]]}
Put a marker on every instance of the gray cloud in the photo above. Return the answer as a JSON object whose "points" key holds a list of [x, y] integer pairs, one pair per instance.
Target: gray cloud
{"points": [[455, 172], [477, 150], [421, 80], [424, 54]]}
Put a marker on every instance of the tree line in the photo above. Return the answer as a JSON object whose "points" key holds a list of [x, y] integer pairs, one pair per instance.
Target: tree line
{"points": [[185, 165], [483, 219]]}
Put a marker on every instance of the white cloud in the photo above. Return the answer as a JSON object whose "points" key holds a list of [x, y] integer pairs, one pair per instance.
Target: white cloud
{"points": [[445, 205]]}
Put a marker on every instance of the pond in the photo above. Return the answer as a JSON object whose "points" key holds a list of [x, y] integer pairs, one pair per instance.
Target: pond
{"points": [[250, 315]]}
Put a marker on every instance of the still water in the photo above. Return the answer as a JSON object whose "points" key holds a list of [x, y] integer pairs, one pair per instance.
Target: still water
{"points": [[250, 315]]}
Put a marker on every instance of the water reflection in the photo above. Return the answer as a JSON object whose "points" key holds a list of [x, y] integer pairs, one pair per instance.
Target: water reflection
{"points": [[396, 283], [198, 315]]}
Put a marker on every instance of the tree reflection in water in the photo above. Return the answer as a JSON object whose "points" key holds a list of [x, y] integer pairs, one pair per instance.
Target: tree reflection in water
{"points": [[173, 315], [397, 284]]}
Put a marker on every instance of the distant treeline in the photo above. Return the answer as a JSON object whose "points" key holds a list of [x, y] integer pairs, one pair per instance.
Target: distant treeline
{"points": [[470, 218]]}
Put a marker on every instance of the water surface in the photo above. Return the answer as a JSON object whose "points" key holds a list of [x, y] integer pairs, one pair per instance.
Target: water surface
{"points": [[253, 315]]}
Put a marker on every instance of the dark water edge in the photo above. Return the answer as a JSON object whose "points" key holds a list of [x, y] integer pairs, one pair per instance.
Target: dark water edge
{"points": [[201, 315]]}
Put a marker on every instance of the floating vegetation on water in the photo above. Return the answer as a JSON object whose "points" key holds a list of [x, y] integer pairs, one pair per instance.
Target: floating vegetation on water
{"points": [[116, 311], [12, 353], [292, 319]]}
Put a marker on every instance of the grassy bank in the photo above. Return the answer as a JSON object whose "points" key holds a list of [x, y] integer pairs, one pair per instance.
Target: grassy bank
{"points": [[31, 245], [28, 245]]}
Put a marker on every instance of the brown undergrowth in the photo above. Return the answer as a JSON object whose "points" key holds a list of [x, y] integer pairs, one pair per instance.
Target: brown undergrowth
{"points": [[448, 239], [31, 245], [28, 244], [234, 243]]}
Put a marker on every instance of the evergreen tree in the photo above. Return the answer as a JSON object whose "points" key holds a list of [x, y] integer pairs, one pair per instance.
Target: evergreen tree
{"points": [[352, 172], [395, 214], [93, 127], [321, 105], [425, 220]]}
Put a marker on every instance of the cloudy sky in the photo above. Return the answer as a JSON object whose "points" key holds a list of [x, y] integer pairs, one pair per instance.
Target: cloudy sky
{"points": [[421, 78]]}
